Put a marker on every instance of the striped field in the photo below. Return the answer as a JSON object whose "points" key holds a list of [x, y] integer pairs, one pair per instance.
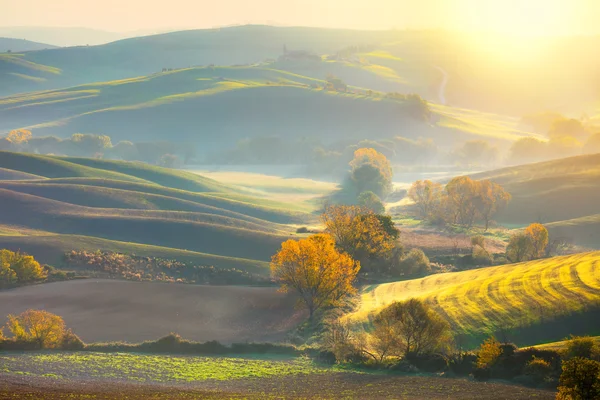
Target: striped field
{"points": [[487, 300]]}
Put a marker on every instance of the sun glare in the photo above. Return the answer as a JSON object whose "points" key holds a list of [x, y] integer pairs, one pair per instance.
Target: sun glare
{"points": [[516, 17]]}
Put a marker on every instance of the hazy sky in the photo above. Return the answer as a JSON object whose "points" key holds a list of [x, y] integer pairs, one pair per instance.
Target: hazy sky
{"points": [[516, 16]]}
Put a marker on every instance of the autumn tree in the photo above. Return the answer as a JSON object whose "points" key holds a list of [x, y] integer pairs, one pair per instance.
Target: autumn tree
{"points": [[410, 328], [520, 248], [427, 196], [19, 267], [38, 326], [461, 193], [580, 380], [490, 199], [370, 171], [539, 239], [19, 136], [489, 352], [314, 269], [359, 232]]}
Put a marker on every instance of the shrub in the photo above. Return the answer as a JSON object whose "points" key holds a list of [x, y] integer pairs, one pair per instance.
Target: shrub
{"points": [[482, 373], [488, 353], [580, 380], [462, 363], [371, 201], [339, 340], [433, 362], [302, 229], [481, 256], [415, 262], [582, 347], [71, 341], [539, 369], [410, 328]]}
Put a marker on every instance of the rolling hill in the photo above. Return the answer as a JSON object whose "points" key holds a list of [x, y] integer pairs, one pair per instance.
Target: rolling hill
{"points": [[212, 108], [18, 45], [76, 204], [540, 300], [393, 60], [551, 191]]}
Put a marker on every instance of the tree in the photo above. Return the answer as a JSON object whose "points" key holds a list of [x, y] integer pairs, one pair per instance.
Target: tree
{"points": [[520, 248], [489, 352], [490, 199], [370, 171], [19, 136], [359, 232], [313, 268], [91, 144], [461, 193], [371, 201], [426, 196], [38, 326], [567, 127], [580, 380], [24, 267], [539, 239], [411, 327]]}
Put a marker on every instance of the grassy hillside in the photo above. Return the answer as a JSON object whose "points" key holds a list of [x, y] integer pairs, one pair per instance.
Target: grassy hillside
{"points": [[191, 231], [394, 60], [52, 167], [193, 105], [161, 176], [76, 204], [50, 249], [17, 45], [550, 191], [104, 310], [519, 299]]}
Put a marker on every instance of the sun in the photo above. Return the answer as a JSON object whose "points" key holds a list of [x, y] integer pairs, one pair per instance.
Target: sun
{"points": [[515, 17]]}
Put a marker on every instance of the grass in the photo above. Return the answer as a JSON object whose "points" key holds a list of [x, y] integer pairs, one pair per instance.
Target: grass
{"points": [[485, 301], [50, 249], [172, 178], [550, 191], [560, 345], [52, 167], [153, 368]]}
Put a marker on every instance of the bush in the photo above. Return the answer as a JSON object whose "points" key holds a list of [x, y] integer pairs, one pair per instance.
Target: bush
{"points": [[481, 256], [302, 229], [71, 341], [582, 347], [44, 329], [580, 380], [415, 262], [488, 353], [432, 362], [538, 369], [463, 363]]}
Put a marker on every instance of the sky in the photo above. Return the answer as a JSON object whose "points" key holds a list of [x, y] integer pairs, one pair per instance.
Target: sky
{"points": [[520, 17]]}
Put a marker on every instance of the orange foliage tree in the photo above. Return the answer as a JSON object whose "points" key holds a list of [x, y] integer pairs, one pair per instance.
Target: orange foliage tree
{"points": [[359, 232], [539, 239], [41, 327], [19, 136], [314, 269], [19, 267]]}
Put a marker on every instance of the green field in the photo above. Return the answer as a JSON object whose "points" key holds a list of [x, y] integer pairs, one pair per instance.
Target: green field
{"points": [[77, 204], [486, 301], [152, 368]]}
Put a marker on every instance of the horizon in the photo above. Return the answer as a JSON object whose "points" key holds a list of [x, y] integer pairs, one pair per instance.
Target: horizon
{"points": [[536, 18]]}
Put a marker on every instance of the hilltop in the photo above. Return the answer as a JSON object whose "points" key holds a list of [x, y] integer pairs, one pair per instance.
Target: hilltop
{"points": [[394, 60], [18, 45]]}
